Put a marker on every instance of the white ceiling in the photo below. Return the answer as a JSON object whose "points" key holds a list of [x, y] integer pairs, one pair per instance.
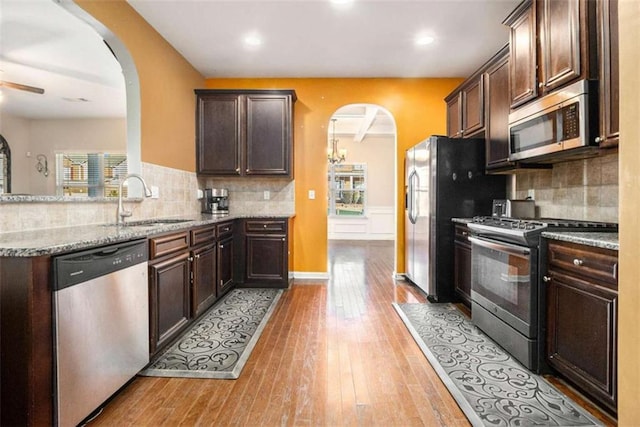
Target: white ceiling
{"points": [[43, 45], [315, 38]]}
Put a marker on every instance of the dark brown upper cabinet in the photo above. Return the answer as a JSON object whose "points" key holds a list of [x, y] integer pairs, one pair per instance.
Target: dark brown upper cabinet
{"points": [[497, 107], [465, 108], [551, 45], [244, 132], [609, 76]]}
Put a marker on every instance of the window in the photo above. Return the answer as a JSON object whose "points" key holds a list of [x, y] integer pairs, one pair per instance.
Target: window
{"points": [[347, 189], [90, 174]]}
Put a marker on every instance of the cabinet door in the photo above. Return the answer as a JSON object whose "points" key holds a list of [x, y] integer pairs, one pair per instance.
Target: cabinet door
{"points": [[560, 46], [268, 138], [522, 54], [169, 283], [225, 266], [473, 107], [454, 116], [218, 135], [204, 278], [266, 259], [497, 123], [581, 334], [609, 77], [462, 266]]}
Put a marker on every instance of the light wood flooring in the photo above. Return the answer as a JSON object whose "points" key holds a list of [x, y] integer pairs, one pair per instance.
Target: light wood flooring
{"points": [[334, 353]]}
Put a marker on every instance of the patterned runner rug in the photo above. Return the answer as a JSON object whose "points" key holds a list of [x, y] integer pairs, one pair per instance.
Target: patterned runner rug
{"points": [[219, 344], [491, 387]]}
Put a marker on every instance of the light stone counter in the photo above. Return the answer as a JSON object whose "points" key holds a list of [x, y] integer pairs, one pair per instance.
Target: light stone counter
{"points": [[598, 240], [51, 241]]}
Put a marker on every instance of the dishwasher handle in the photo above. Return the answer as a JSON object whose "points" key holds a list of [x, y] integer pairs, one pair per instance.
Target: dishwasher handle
{"points": [[78, 267]]}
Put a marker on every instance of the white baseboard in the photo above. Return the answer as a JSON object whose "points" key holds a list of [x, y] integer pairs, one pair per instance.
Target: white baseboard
{"points": [[399, 276], [310, 275]]}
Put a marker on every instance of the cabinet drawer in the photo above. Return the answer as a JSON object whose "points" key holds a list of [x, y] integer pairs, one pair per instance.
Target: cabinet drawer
{"points": [[203, 235], [265, 226], [164, 245], [461, 234], [224, 229], [595, 264]]}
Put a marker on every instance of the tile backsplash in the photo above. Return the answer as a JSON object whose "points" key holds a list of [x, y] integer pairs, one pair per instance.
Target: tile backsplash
{"points": [[581, 189], [178, 192]]}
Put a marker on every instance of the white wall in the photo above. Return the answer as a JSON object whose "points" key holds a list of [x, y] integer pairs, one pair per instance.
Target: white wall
{"points": [[48, 136], [16, 131]]}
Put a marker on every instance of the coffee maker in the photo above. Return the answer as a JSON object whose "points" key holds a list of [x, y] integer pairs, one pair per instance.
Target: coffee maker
{"points": [[215, 201]]}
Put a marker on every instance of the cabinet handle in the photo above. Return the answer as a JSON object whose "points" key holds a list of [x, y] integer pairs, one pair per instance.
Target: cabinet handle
{"points": [[577, 262], [198, 256], [540, 85], [265, 226], [220, 282], [599, 139], [221, 246], [465, 234], [546, 279], [190, 259], [247, 170], [237, 169], [283, 239]]}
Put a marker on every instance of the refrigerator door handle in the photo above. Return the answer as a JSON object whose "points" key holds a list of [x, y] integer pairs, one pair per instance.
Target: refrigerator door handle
{"points": [[416, 214], [410, 198]]}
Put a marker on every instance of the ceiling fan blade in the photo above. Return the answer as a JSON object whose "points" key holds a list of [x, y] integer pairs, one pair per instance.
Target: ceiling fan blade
{"points": [[22, 87]]}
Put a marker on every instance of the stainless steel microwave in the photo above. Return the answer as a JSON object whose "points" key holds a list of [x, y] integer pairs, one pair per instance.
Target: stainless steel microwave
{"points": [[562, 123]]}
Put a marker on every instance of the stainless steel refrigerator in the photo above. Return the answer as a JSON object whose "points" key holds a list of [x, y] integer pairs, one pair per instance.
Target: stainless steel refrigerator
{"points": [[444, 179]]}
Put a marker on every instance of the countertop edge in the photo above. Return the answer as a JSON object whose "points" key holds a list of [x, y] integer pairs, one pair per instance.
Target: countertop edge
{"points": [[595, 239], [54, 241]]}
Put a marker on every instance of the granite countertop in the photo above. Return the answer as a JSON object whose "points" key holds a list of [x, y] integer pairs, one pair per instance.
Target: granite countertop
{"points": [[51, 241], [598, 240]]}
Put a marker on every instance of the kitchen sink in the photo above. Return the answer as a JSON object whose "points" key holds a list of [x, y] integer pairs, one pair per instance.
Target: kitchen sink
{"points": [[150, 222]]}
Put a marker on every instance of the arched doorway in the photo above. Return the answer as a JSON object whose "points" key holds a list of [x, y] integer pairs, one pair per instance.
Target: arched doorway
{"points": [[361, 175]]}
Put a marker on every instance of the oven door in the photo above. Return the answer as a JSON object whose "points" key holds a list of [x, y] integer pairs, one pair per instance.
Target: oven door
{"points": [[503, 281]]}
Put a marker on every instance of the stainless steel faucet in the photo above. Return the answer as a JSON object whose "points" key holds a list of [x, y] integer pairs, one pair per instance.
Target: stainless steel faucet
{"points": [[122, 213]]}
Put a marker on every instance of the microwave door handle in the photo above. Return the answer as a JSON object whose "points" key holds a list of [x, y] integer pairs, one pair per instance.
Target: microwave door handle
{"points": [[502, 247]]}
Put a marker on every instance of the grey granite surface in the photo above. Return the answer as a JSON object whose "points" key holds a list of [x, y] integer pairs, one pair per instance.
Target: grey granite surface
{"points": [[53, 241], [598, 240], [462, 220]]}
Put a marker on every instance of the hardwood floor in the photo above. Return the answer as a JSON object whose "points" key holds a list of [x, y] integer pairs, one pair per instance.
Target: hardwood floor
{"points": [[334, 353]]}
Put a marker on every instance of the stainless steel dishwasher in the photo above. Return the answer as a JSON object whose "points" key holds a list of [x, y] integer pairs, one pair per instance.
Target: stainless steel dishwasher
{"points": [[101, 315]]}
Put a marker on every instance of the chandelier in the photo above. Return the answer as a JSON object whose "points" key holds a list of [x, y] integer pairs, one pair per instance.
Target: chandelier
{"points": [[333, 154]]}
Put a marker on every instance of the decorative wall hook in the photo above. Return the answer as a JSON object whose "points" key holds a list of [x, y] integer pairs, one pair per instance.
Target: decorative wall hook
{"points": [[41, 167]]}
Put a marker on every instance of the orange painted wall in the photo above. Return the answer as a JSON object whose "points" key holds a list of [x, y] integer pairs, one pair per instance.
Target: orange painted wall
{"points": [[419, 111], [167, 80]]}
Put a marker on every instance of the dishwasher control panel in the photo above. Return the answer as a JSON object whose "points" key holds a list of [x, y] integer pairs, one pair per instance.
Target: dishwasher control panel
{"points": [[78, 267]]}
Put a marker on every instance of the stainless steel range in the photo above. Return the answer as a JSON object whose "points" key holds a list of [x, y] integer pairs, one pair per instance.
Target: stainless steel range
{"points": [[508, 303]]}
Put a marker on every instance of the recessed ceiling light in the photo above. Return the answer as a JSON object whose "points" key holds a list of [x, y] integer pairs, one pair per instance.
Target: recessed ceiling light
{"points": [[252, 40], [341, 3], [423, 40]]}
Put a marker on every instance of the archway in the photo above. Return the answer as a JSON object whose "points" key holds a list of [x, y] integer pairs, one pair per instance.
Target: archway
{"points": [[362, 174]]}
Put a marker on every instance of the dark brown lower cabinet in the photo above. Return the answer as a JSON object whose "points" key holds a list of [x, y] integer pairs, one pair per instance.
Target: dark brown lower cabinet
{"points": [[204, 278], [266, 253], [462, 264], [225, 266], [170, 299], [582, 316]]}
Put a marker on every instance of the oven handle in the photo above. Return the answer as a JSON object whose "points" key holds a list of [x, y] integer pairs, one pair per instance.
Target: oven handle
{"points": [[502, 247]]}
